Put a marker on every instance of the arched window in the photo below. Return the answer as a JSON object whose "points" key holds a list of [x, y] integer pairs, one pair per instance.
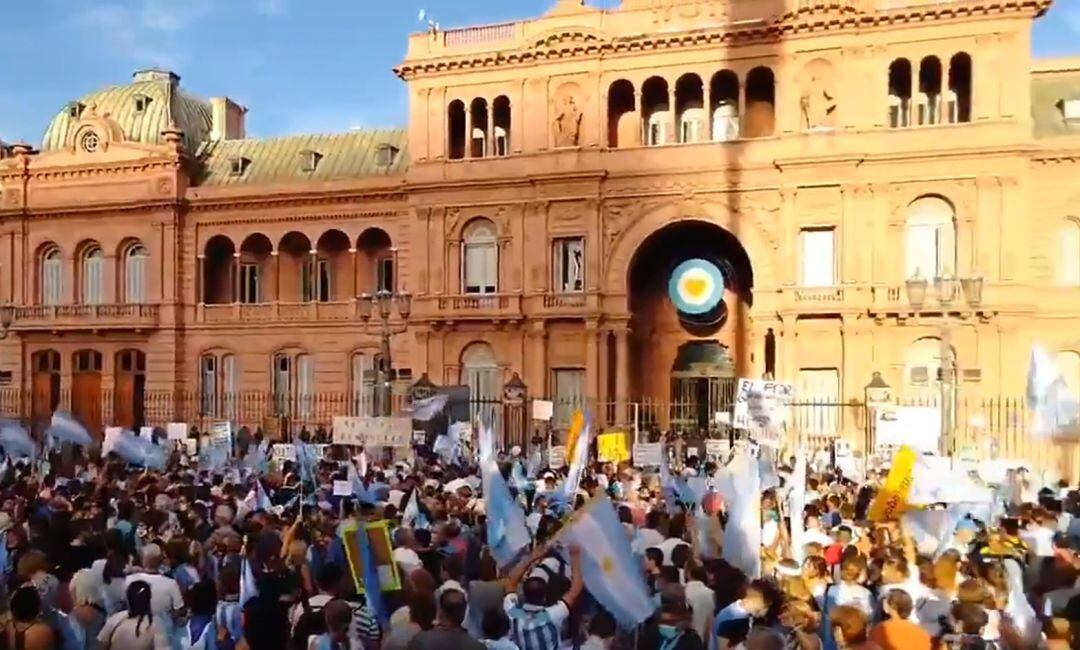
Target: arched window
{"points": [[361, 384], [724, 95], [656, 110], [930, 239], [481, 373], [929, 99], [135, 274], [478, 139], [1068, 365], [92, 270], [760, 118], [455, 130], [622, 115], [500, 110], [305, 385], [900, 94], [1068, 254], [690, 108], [52, 277], [480, 258], [958, 108]]}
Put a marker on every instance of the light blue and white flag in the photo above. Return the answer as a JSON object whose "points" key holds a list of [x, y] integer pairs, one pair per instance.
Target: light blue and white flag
{"points": [[739, 486], [258, 500], [579, 461], [15, 441], [307, 456], [64, 428], [412, 516], [135, 450], [248, 588], [427, 409], [506, 530], [932, 530], [485, 442], [1055, 411], [611, 573], [796, 506]]}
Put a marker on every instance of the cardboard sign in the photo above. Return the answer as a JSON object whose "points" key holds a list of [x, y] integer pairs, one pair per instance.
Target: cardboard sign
{"points": [[373, 431], [543, 410], [343, 488], [762, 406], [221, 433], [612, 448], [176, 430], [557, 457], [648, 454], [283, 452], [717, 448]]}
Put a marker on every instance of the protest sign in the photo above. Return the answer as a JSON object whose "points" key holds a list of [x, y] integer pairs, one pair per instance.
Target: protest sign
{"points": [[717, 448], [111, 434], [283, 452], [373, 431], [557, 457], [892, 500], [146, 433], [917, 427], [378, 535], [543, 410], [611, 447], [343, 488], [176, 430], [648, 454], [221, 433], [762, 406]]}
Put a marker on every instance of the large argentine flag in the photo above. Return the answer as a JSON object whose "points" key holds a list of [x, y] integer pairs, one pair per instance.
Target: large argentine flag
{"points": [[611, 574], [1055, 411]]}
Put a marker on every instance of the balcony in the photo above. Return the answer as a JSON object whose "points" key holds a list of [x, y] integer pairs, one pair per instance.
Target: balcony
{"points": [[278, 312], [81, 317], [493, 306]]}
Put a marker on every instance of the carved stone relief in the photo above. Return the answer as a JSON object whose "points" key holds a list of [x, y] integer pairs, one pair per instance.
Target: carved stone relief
{"points": [[817, 86]]}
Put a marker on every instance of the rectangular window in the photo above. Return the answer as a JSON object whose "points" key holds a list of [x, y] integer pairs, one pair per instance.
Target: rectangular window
{"points": [[384, 274], [208, 386], [249, 284], [135, 279], [307, 281], [691, 131], [51, 282], [818, 395], [92, 281], [818, 257], [930, 250], [283, 384], [569, 265], [481, 267], [305, 385], [322, 268], [569, 389], [362, 381]]}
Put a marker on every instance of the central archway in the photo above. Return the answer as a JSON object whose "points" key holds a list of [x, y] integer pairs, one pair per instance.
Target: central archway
{"points": [[686, 351]]}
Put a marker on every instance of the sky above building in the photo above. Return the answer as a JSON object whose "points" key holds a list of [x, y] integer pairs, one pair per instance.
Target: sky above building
{"points": [[300, 66]]}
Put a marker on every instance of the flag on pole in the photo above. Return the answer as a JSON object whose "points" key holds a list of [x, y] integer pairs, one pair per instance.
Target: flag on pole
{"points": [[16, 441], [578, 461], [425, 410], [611, 573], [507, 533], [135, 450], [796, 505], [362, 566], [64, 428]]}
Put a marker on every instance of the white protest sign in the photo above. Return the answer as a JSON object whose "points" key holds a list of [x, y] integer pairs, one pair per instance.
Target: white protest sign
{"points": [[176, 430], [282, 452], [373, 432], [648, 454], [917, 427], [557, 457], [111, 434], [762, 406], [221, 433], [343, 488], [542, 409], [717, 448]]}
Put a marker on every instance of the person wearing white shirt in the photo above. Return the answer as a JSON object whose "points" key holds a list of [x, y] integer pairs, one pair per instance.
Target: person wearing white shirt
{"points": [[166, 601], [701, 599]]}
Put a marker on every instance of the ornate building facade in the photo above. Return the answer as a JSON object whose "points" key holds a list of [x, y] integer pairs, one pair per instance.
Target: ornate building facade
{"points": [[622, 206]]}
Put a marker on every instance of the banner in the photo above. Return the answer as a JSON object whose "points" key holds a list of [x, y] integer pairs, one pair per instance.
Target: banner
{"points": [[373, 432], [378, 534], [648, 454], [892, 500], [611, 447], [918, 427], [221, 433], [762, 406], [716, 448]]}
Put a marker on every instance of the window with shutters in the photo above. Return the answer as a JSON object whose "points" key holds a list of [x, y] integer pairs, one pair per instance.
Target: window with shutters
{"points": [[568, 387], [819, 407], [1068, 255], [924, 361], [305, 385], [569, 264], [250, 289], [481, 373], [93, 266], [362, 385], [480, 258], [208, 385], [283, 384], [930, 239], [384, 271], [135, 274], [818, 257], [218, 386], [52, 277], [315, 280]]}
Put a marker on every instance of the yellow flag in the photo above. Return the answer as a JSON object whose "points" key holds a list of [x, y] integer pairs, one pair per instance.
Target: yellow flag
{"points": [[892, 500], [577, 424]]}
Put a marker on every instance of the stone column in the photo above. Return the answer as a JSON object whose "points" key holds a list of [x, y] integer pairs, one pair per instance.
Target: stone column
{"points": [[622, 372], [536, 359], [313, 275], [674, 135], [706, 103], [200, 264], [468, 131], [353, 283], [489, 140], [592, 361], [236, 277]]}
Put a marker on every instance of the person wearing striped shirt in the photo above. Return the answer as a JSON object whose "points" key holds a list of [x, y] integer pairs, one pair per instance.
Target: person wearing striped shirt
{"points": [[535, 625]]}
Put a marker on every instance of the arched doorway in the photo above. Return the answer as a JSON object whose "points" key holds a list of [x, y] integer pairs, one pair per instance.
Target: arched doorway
{"points": [[130, 389], [690, 288], [86, 389], [45, 387]]}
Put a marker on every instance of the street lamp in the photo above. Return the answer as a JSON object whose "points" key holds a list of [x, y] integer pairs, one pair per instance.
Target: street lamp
{"points": [[945, 290], [381, 306]]}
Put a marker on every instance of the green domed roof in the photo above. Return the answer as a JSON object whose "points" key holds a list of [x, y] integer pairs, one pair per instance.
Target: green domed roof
{"points": [[143, 109]]}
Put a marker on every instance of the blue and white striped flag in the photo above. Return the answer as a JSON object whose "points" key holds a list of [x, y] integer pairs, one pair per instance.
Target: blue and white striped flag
{"points": [[16, 441], [411, 516], [426, 409], [578, 462], [248, 588], [64, 428], [136, 450], [506, 530]]}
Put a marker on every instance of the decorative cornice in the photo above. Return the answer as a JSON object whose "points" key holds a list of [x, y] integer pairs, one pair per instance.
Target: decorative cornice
{"points": [[219, 204], [586, 43], [237, 219]]}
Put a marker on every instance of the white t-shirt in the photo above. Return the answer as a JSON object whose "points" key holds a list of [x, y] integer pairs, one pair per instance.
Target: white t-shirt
{"points": [[407, 559], [646, 538], [668, 545], [122, 631], [165, 597], [702, 603]]}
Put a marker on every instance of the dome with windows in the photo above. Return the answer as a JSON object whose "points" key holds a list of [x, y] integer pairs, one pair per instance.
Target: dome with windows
{"points": [[142, 109]]}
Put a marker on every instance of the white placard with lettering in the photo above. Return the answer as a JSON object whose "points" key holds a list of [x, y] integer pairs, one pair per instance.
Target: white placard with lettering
{"points": [[648, 454], [762, 408], [542, 410], [373, 432], [282, 452], [918, 427], [221, 433], [557, 457], [717, 448], [109, 441], [343, 488]]}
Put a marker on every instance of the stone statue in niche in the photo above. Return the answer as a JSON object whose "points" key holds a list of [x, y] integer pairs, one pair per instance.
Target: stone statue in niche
{"points": [[818, 98], [568, 116]]}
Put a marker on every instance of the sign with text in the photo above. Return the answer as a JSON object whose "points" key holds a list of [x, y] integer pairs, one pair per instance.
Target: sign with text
{"points": [[918, 427], [176, 430], [717, 448], [283, 452], [762, 406], [221, 433], [373, 432], [557, 457], [611, 447], [648, 454], [542, 409]]}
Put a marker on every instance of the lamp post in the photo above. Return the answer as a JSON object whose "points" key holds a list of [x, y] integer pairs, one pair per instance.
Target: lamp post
{"points": [[381, 308], [946, 288]]}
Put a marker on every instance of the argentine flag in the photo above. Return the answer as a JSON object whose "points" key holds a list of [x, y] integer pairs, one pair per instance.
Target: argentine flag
{"points": [[507, 533], [611, 574], [64, 428], [1055, 412]]}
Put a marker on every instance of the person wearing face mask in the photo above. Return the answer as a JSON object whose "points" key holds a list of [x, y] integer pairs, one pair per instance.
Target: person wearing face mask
{"points": [[673, 626]]}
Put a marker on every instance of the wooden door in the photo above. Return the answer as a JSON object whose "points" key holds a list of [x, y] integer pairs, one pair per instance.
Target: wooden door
{"points": [[86, 390], [130, 389], [44, 388]]}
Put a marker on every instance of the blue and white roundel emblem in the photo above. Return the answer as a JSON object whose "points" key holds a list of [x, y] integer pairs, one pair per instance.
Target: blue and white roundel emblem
{"points": [[696, 287]]}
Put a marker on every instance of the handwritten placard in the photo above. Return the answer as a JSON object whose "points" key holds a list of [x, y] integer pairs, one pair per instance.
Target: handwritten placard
{"points": [[176, 430], [373, 432], [762, 406], [343, 488], [557, 457], [648, 454]]}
